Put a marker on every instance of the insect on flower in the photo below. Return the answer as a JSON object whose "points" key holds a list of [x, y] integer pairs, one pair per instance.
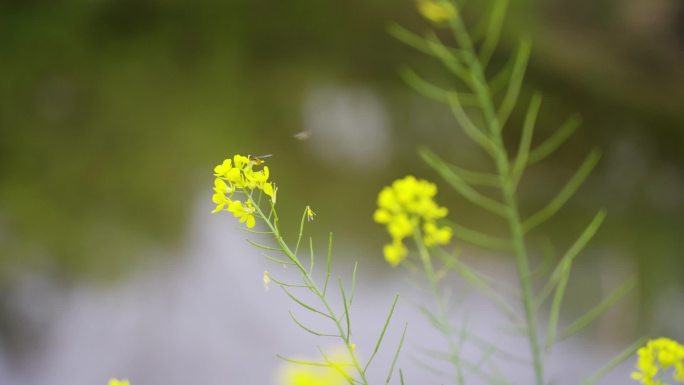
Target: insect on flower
{"points": [[258, 160]]}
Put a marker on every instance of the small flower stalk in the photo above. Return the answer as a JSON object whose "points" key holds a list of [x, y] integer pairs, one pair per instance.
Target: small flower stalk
{"points": [[407, 207], [239, 185]]}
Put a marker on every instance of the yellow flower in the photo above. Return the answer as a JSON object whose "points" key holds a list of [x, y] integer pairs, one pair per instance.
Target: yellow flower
{"points": [[400, 226], [403, 207], [219, 198], [659, 354], [244, 212], [394, 252], [222, 169], [241, 161], [437, 11], [293, 374], [255, 179], [114, 381], [238, 174], [435, 235]]}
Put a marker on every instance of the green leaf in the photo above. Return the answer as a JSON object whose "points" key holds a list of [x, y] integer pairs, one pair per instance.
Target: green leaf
{"points": [[346, 310], [493, 33], [562, 274], [480, 239], [281, 283], [416, 41], [337, 367], [382, 333], [463, 188], [470, 129], [328, 263], [479, 281], [566, 261], [449, 60], [306, 329], [550, 145], [301, 231], [526, 139], [499, 81], [517, 76], [430, 90], [311, 256], [259, 245], [470, 177], [277, 260], [309, 363], [396, 355], [565, 194], [353, 283], [304, 305], [617, 360], [598, 310]]}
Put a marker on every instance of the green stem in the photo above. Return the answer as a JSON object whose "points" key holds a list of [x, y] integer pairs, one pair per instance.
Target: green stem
{"points": [[442, 316], [503, 167], [308, 280]]}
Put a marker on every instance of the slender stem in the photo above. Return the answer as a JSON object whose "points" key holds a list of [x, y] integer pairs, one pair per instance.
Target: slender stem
{"points": [[522, 264], [503, 167], [308, 280], [442, 316]]}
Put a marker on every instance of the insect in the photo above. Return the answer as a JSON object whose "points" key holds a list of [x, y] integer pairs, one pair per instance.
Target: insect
{"points": [[302, 135], [258, 160]]}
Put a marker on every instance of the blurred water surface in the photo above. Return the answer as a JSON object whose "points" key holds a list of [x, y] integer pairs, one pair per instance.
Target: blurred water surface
{"points": [[113, 113], [208, 319]]}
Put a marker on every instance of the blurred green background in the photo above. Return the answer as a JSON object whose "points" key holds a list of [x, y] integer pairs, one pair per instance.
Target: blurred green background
{"points": [[113, 114]]}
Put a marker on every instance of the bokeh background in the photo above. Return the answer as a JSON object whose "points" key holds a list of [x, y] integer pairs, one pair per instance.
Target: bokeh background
{"points": [[114, 112]]}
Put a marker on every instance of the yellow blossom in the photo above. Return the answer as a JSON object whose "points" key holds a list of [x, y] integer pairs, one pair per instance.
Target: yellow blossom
{"points": [[659, 354], [237, 174], [219, 198], [437, 11], [244, 212], [394, 252], [114, 381], [436, 235], [403, 207], [400, 226], [293, 374], [268, 189]]}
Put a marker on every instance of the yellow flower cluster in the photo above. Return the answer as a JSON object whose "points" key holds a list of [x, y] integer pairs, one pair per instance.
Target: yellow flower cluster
{"points": [[437, 11], [661, 353], [114, 381], [403, 207], [295, 374], [307, 375], [238, 174]]}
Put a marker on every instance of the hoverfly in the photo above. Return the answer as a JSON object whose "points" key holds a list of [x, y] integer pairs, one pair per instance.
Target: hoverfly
{"points": [[302, 135], [258, 160]]}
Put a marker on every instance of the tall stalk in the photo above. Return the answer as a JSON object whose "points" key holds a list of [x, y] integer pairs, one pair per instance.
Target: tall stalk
{"points": [[482, 106], [507, 187]]}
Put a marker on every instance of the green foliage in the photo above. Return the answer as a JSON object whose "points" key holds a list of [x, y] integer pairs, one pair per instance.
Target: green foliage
{"points": [[482, 106], [242, 187]]}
